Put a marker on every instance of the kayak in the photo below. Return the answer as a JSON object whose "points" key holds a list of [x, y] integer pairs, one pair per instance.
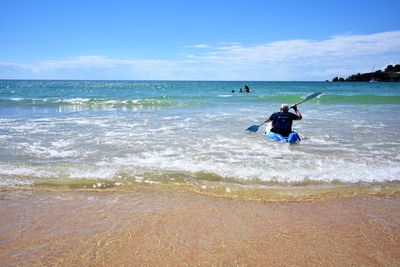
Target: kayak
{"points": [[292, 138]]}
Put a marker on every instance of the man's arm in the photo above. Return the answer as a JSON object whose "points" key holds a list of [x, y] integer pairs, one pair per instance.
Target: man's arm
{"points": [[299, 117], [268, 120]]}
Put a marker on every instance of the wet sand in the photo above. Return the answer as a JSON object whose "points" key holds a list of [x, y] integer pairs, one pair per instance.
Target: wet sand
{"points": [[158, 228]]}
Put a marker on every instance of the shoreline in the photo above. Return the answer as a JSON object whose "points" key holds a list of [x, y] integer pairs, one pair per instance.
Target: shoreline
{"points": [[156, 227], [253, 190]]}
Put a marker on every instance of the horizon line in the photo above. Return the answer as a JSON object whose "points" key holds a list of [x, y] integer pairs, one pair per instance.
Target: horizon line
{"points": [[162, 80]]}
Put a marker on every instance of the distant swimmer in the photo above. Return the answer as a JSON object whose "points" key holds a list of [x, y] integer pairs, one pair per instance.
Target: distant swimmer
{"points": [[233, 91], [245, 90]]}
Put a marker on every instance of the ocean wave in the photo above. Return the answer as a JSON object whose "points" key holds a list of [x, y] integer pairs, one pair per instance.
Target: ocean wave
{"points": [[190, 172], [197, 100], [359, 99], [213, 185], [94, 102], [331, 99]]}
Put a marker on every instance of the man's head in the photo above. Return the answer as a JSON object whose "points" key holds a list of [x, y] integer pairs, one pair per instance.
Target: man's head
{"points": [[285, 107]]}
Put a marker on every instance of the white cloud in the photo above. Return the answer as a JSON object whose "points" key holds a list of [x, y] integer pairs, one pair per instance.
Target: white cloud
{"points": [[280, 60], [95, 67], [307, 59], [295, 51], [198, 46]]}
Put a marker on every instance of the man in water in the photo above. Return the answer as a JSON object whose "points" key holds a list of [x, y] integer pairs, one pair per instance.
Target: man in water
{"points": [[282, 123]]}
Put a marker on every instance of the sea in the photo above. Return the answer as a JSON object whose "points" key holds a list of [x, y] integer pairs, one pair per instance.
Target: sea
{"points": [[120, 133]]}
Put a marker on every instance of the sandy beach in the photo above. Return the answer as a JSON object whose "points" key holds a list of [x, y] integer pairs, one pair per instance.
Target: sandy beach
{"points": [[153, 227]]}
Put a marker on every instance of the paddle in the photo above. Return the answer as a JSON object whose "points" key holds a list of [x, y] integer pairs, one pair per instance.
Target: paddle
{"points": [[254, 128], [308, 98]]}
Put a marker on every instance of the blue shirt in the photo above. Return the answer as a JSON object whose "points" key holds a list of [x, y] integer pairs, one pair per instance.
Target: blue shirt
{"points": [[282, 122]]}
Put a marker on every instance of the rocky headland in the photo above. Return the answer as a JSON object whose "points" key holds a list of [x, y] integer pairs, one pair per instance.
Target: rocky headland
{"points": [[390, 74]]}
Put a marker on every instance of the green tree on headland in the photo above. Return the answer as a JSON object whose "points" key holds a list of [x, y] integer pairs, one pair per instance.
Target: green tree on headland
{"points": [[390, 74], [391, 68]]}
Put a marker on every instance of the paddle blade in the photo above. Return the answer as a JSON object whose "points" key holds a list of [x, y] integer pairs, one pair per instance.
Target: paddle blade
{"points": [[312, 96], [307, 98], [253, 128]]}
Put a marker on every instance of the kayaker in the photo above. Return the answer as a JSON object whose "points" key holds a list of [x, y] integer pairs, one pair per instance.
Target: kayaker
{"points": [[282, 120]]}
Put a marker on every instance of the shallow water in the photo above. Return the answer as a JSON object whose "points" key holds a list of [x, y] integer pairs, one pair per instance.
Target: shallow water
{"points": [[155, 131], [150, 227]]}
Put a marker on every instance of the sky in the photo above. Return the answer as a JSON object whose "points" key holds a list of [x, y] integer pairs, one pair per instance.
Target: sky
{"points": [[244, 40]]}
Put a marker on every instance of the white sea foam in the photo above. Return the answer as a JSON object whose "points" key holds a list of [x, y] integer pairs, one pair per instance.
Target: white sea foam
{"points": [[14, 181], [26, 171], [37, 149]]}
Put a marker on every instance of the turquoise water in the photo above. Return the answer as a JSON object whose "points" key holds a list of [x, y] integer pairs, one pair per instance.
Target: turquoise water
{"points": [[150, 130]]}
